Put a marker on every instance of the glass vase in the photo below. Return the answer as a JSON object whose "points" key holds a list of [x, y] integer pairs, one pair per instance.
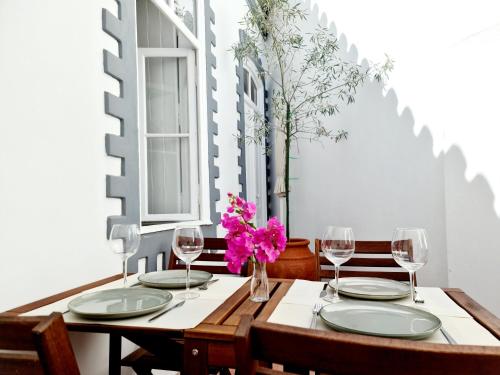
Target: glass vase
{"points": [[259, 285]]}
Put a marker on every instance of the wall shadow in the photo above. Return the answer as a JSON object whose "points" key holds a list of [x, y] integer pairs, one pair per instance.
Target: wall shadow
{"points": [[386, 176]]}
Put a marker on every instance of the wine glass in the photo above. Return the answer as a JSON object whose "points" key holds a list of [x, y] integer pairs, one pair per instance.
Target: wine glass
{"points": [[187, 244], [410, 249], [124, 240], [338, 246]]}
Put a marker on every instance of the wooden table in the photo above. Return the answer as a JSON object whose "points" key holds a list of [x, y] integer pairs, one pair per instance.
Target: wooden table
{"points": [[211, 343]]}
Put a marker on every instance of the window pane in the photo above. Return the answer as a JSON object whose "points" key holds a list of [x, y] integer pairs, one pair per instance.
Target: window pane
{"points": [[166, 95], [168, 175], [245, 81], [186, 10], [254, 92], [154, 29]]}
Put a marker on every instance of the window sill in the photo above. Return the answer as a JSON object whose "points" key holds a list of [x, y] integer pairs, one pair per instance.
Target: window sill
{"points": [[170, 226]]}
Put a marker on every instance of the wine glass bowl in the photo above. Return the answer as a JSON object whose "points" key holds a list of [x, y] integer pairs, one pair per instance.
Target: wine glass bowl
{"points": [[124, 240], [410, 249], [338, 246], [187, 244]]}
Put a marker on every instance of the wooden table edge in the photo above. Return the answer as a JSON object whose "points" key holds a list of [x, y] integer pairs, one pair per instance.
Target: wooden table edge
{"points": [[59, 296], [484, 317]]}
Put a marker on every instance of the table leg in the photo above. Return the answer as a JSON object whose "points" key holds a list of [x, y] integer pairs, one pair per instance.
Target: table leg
{"points": [[195, 357], [115, 354]]}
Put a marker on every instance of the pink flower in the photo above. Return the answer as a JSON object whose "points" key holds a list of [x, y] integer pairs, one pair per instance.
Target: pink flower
{"points": [[244, 241], [249, 210], [239, 201], [233, 224], [239, 249]]}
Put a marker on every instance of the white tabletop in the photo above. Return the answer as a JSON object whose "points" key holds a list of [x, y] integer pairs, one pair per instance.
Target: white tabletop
{"points": [[189, 315], [295, 309]]}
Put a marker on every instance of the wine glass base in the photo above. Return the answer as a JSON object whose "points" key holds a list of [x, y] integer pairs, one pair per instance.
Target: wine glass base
{"points": [[333, 298], [187, 295]]}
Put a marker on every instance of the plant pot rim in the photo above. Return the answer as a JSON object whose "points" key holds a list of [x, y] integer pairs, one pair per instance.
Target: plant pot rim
{"points": [[297, 242]]}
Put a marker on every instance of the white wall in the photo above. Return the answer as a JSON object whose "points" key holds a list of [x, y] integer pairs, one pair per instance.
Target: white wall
{"points": [[53, 162], [52, 157], [227, 33], [415, 152]]}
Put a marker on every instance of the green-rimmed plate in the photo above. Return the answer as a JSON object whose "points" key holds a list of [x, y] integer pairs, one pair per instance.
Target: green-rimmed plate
{"points": [[119, 303], [380, 319], [174, 279], [373, 288]]}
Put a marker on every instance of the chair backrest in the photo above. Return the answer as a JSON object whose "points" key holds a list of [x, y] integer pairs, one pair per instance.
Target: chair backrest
{"points": [[36, 345], [371, 259], [210, 260], [342, 353]]}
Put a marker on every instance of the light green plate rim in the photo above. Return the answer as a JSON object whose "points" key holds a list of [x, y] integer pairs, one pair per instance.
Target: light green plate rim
{"points": [[167, 296], [166, 285], [374, 297], [412, 336]]}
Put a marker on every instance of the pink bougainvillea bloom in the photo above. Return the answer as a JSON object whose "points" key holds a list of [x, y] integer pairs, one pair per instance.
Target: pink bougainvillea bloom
{"points": [[243, 241], [277, 233], [239, 201], [239, 249], [249, 210]]}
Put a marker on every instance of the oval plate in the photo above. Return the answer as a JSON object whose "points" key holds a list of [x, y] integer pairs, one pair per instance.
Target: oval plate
{"points": [[380, 319], [174, 279], [119, 303], [373, 288]]}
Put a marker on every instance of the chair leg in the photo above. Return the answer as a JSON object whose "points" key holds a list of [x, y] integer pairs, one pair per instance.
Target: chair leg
{"points": [[115, 354]]}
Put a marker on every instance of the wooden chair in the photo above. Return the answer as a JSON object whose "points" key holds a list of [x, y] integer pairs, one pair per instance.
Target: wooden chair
{"points": [[345, 354], [36, 345], [211, 260], [379, 263]]}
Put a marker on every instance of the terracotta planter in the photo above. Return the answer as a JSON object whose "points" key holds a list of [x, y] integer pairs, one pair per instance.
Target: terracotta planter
{"points": [[297, 262]]}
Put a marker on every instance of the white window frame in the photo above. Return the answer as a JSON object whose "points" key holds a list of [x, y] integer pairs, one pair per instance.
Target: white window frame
{"points": [[144, 53], [255, 165], [198, 45]]}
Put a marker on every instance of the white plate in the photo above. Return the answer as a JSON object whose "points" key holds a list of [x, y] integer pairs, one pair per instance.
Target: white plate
{"points": [[174, 279], [119, 303], [380, 319], [372, 288]]}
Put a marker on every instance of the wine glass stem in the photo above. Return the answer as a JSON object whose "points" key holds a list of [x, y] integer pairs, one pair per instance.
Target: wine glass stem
{"points": [[412, 287], [125, 272], [188, 281], [337, 271]]}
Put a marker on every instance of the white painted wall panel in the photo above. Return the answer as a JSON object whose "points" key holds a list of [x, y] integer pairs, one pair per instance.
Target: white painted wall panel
{"points": [[424, 154], [227, 33], [52, 157]]}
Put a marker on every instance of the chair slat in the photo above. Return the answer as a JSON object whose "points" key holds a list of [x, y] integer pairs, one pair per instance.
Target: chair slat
{"points": [[54, 347], [16, 333], [207, 256], [398, 276], [364, 262], [215, 243], [36, 345], [378, 251], [367, 247], [373, 247], [20, 362], [212, 269], [211, 257]]}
